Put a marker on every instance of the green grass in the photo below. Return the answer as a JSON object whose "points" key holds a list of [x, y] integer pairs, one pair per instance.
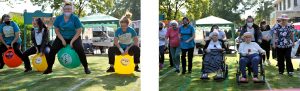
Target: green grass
{"points": [[63, 79], [191, 82]]}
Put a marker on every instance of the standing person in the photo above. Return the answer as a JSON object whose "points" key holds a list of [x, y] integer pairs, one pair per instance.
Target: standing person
{"points": [[10, 38], [252, 28], [221, 35], [187, 44], [125, 42], [68, 29], [173, 37], [39, 38], [266, 45], [284, 41], [162, 46], [274, 51]]}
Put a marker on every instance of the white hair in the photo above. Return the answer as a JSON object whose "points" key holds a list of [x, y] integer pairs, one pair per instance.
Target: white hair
{"points": [[214, 33], [173, 22]]}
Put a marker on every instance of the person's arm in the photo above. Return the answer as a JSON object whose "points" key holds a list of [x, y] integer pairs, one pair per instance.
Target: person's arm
{"points": [[260, 50], [76, 36], [17, 33], [193, 35], [2, 40], [60, 36], [44, 40], [78, 26], [206, 45], [274, 38], [241, 49]]}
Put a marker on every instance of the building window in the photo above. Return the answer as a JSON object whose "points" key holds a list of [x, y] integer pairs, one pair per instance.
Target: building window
{"points": [[289, 3], [295, 3], [284, 4]]}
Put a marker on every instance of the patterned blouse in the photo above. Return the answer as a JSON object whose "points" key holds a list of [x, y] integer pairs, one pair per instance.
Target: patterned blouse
{"points": [[284, 36]]}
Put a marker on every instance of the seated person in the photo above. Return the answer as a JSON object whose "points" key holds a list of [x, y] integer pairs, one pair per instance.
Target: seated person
{"points": [[87, 44], [249, 52], [213, 49]]}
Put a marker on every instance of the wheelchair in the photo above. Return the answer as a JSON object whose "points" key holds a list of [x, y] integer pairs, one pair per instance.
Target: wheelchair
{"points": [[261, 71], [224, 69]]}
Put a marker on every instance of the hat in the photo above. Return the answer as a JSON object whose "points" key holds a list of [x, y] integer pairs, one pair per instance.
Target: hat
{"points": [[247, 34], [284, 16]]}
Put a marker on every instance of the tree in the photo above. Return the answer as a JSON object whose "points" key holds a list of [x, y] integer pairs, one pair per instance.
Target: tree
{"points": [[264, 11], [171, 8], [197, 9]]}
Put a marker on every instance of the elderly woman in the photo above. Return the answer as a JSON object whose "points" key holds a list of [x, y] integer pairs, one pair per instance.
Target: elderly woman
{"points": [[213, 49], [173, 37], [283, 42], [249, 54]]}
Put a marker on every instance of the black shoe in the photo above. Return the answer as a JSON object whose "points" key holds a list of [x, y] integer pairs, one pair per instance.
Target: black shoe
{"points": [[47, 71], [171, 66], [1, 66], [177, 71], [290, 73], [136, 68], [87, 71], [190, 72], [27, 70], [110, 69], [182, 73]]}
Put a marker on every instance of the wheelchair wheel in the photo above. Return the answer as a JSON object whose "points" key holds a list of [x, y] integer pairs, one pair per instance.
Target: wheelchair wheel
{"points": [[226, 72]]}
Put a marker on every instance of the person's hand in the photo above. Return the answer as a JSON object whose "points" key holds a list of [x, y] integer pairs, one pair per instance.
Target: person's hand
{"points": [[7, 46], [42, 54], [126, 51], [37, 50], [274, 46], [293, 44], [207, 50], [187, 41], [12, 44], [259, 41], [121, 50], [71, 44]]}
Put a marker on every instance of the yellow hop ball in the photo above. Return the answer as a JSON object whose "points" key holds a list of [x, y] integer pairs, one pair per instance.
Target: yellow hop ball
{"points": [[124, 64], [39, 62]]}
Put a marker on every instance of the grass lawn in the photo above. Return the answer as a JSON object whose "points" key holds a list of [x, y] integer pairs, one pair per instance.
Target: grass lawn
{"points": [[63, 79], [171, 81]]}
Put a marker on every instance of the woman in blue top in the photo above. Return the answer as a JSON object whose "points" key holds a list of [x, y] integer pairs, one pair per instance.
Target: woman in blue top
{"points": [[125, 42], [10, 38], [187, 44], [68, 29]]}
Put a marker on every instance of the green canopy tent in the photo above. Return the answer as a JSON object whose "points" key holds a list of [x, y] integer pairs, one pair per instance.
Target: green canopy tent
{"points": [[98, 19], [206, 23]]}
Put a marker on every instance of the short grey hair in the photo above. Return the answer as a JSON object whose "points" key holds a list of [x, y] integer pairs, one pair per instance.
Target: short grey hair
{"points": [[214, 33], [173, 22]]}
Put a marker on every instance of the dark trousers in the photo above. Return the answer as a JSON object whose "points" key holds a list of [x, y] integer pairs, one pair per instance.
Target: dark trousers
{"points": [[32, 50], [266, 46], [170, 56], [274, 53], [284, 54], [190, 59], [57, 45], [161, 54], [17, 51], [133, 51]]}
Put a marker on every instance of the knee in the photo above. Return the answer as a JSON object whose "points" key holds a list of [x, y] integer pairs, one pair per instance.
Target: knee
{"points": [[243, 61], [256, 59]]}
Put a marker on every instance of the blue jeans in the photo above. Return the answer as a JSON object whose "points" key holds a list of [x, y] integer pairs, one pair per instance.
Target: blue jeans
{"points": [[175, 52], [253, 59]]}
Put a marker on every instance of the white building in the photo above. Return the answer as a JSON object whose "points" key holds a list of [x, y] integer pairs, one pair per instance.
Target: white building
{"points": [[289, 7]]}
